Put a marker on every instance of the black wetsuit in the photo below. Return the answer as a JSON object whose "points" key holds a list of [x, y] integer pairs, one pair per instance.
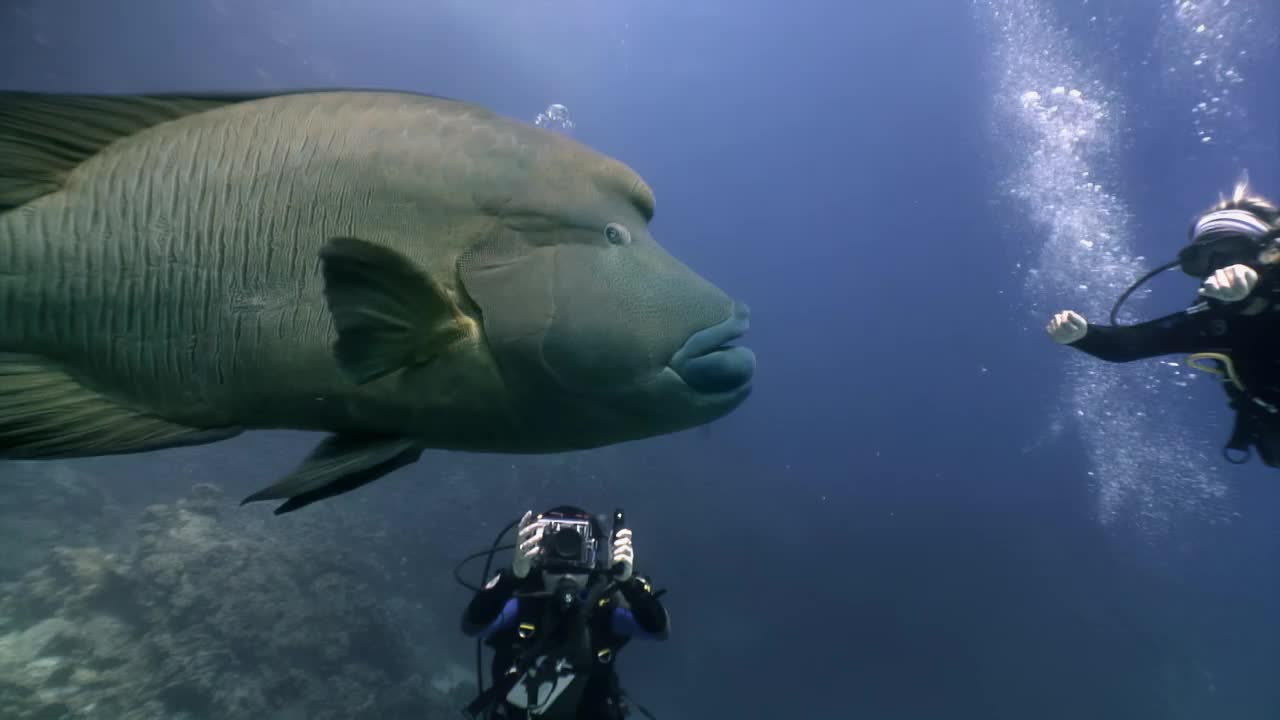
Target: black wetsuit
{"points": [[498, 614], [1251, 341]]}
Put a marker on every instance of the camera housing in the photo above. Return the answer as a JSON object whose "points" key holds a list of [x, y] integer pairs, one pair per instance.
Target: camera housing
{"points": [[568, 545]]}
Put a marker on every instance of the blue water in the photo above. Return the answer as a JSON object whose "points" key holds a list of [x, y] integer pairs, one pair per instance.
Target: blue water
{"points": [[927, 509]]}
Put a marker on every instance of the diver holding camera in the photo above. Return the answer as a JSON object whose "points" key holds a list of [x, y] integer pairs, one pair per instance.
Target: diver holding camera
{"points": [[557, 618]]}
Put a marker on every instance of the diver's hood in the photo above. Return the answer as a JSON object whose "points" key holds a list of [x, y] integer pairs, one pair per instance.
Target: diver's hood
{"points": [[1218, 239], [1223, 235]]}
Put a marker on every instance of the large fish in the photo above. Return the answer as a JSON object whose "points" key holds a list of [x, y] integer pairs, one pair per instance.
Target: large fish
{"points": [[401, 271]]}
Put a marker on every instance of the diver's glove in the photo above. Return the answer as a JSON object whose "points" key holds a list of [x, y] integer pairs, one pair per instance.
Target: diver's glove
{"points": [[624, 553], [528, 545], [1067, 327], [1230, 284]]}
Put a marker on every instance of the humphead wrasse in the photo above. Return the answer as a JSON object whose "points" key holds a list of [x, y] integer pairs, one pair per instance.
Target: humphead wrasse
{"points": [[401, 271]]}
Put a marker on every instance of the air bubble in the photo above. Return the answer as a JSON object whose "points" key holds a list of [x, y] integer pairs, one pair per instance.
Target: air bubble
{"points": [[1062, 128], [555, 117]]}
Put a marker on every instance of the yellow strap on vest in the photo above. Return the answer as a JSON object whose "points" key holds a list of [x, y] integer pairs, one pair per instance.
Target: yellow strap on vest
{"points": [[1194, 362]]}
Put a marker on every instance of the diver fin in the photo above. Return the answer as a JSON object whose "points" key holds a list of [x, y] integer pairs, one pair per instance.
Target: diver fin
{"points": [[339, 464], [43, 137], [389, 315], [45, 414]]}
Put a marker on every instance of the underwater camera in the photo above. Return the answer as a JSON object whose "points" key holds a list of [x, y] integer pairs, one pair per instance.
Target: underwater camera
{"points": [[568, 544]]}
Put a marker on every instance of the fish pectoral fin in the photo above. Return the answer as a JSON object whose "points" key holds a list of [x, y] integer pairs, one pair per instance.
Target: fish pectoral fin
{"points": [[389, 315], [43, 137], [339, 464], [45, 413]]}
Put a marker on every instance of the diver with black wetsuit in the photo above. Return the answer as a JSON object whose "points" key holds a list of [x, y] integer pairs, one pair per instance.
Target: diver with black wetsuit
{"points": [[556, 621], [1233, 331]]}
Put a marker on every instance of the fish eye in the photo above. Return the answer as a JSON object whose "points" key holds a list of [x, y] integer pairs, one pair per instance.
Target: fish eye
{"points": [[617, 234]]}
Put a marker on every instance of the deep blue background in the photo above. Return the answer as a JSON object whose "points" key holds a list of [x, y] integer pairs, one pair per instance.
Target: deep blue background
{"points": [[879, 531]]}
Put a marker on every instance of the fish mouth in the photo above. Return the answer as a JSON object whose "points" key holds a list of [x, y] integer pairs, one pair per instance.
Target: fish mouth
{"points": [[708, 363]]}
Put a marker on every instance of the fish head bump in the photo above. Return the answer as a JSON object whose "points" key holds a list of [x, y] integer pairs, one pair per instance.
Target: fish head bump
{"points": [[601, 335]]}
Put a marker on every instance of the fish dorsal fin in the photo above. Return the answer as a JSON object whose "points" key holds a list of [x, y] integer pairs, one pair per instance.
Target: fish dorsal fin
{"points": [[44, 137]]}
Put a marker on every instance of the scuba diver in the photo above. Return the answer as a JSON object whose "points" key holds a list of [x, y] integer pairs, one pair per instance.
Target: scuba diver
{"points": [[1232, 331], [557, 618]]}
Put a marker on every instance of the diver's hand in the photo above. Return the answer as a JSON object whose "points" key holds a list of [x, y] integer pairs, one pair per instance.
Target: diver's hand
{"points": [[527, 545], [624, 553], [1067, 327], [1230, 284]]}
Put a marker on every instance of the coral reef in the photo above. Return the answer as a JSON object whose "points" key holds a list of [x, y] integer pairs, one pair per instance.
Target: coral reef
{"points": [[206, 616], [48, 504]]}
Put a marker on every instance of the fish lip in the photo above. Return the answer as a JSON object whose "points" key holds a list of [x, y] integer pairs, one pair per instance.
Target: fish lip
{"points": [[710, 339], [717, 378]]}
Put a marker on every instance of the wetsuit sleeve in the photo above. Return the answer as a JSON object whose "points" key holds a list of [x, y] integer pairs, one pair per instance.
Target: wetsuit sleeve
{"points": [[490, 605], [1181, 332], [645, 615]]}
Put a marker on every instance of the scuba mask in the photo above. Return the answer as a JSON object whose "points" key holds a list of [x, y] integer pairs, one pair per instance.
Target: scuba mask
{"points": [[1218, 239]]}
